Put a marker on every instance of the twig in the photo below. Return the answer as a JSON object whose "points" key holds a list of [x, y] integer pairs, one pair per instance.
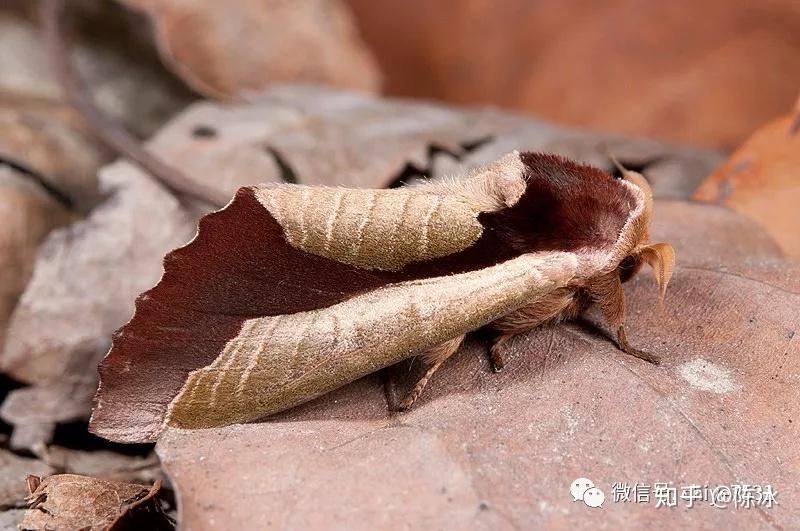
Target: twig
{"points": [[39, 180], [106, 130]]}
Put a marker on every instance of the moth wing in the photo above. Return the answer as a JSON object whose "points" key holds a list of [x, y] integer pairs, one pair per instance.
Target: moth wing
{"points": [[281, 361], [373, 229], [390, 229], [240, 270]]}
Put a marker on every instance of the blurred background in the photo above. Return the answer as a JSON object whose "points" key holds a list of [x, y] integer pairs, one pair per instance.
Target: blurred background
{"points": [[706, 72]]}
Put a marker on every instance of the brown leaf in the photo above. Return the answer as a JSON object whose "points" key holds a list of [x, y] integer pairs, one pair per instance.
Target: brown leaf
{"points": [[234, 49], [698, 72], [35, 410], [673, 172], [85, 258], [761, 180], [114, 57], [488, 450], [13, 470], [28, 213], [86, 278], [68, 501], [100, 464], [45, 137], [103, 464]]}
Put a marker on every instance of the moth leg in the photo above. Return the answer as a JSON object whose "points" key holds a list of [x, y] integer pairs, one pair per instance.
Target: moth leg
{"points": [[496, 359], [608, 293], [553, 308], [433, 359], [622, 340], [389, 390]]}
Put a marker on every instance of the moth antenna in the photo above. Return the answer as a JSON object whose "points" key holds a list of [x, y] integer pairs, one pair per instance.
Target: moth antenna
{"points": [[660, 257], [641, 182], [617, 163]]}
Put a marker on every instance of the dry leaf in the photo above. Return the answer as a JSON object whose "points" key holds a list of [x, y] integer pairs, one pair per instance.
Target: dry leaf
{"points": [[674, 172], [234, 49], [762, 180], [698, 72], [28, 212], [10, 518], [13, 470], [112, 54], [103, 464], [485, 450], [34, 411], [45, 138], [94, 262], [86, 278], [68, 501]]}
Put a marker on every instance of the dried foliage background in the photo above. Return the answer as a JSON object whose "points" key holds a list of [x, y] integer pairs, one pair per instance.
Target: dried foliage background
{"points": [[250, 91], [706, 72]]}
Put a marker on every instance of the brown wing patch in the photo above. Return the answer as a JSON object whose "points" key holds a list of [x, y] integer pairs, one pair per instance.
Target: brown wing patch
{"points": [[238, 267]]}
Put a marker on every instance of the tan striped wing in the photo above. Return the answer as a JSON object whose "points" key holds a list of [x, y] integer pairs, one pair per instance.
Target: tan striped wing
{"points": [[373, 229], [280, 361]]}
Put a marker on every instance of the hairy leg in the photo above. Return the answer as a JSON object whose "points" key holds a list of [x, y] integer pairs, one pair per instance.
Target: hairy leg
{"points": [[496, 349], [389, 388], [556, 307], [608, 293], [622, 341], [432, 359]]}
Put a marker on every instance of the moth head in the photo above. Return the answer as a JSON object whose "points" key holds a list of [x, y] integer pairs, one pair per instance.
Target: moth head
{"points": [[659, 256]]}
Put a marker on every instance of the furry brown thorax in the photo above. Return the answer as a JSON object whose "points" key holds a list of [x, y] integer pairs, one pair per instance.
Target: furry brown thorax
{"points": [[630, 250]]}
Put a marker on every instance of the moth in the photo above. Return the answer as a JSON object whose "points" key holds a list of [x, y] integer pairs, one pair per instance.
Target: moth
{"points": [[292, 291]]}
